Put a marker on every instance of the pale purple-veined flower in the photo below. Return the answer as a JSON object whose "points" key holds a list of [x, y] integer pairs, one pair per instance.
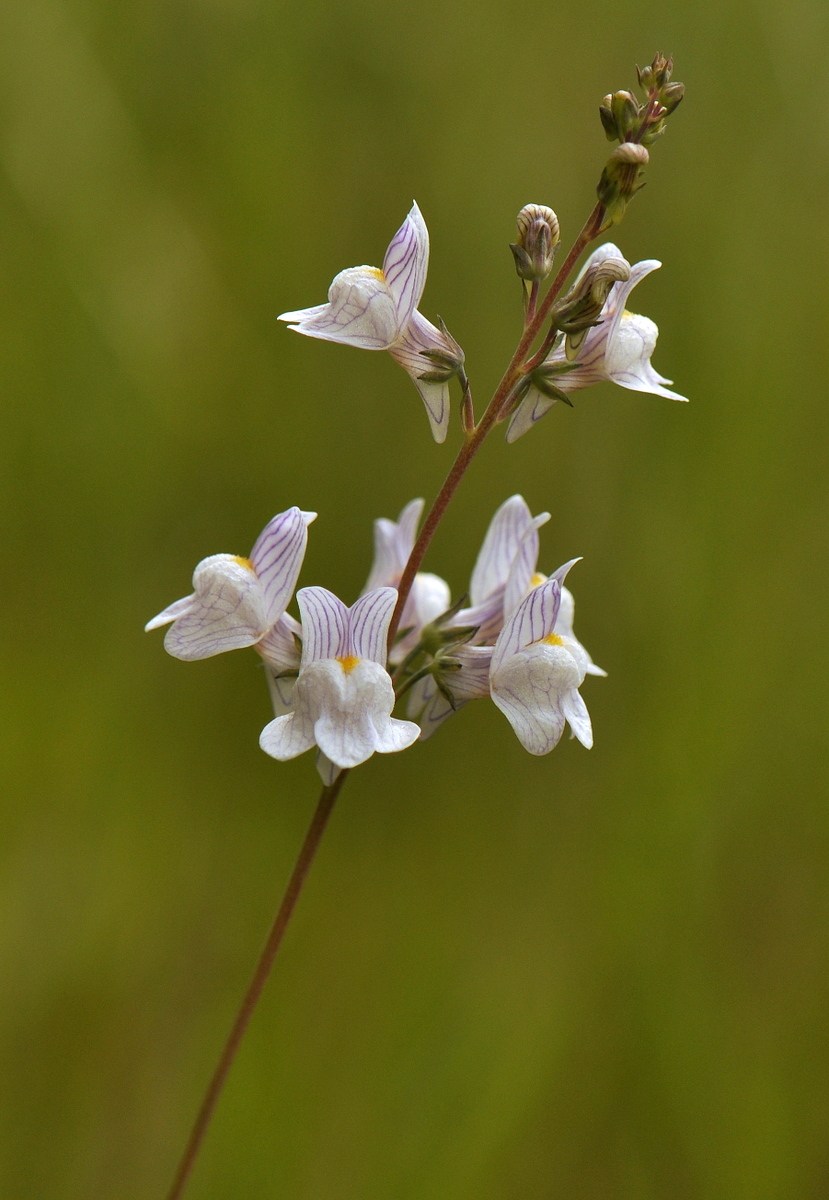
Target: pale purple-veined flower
{"points": [[618, 350], [377, 310], [510, 545], [524, 576], [241, 602], [429, 595], [535, 672], [343, 697]]}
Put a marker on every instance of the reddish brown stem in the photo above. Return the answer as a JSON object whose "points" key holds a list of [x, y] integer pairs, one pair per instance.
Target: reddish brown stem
{"points": [[533, 301], [257, 983]]}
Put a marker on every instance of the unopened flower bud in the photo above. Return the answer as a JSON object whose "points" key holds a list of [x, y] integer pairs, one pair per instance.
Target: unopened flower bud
{"points": [[621, 179], [661, 68], [538, 239], [581, 308], [663, 96], [620, 113], [646, 78], [624, 119], [625, 108], [608, 120], [629, 154], [587, 297], [671, 95]]}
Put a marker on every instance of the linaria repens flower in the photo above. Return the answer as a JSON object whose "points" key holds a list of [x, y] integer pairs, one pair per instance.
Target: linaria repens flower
{"points": [[536, 673], [429, 596], [618, 350], [510, 540], [377, 310], [238, 602], [524, 577], [343, 697]]}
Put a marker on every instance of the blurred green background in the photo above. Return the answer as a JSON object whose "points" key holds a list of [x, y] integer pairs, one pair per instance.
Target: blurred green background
{"points": [[581, 977]]}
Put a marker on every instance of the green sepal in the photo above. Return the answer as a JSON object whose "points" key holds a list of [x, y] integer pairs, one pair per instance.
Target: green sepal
{"points": [[608, 123], [551, 391], [523, 262], [436, 641]]}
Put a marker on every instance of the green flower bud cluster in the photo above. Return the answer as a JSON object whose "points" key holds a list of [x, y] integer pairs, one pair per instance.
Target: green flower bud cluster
{"points": [[655, 80], [625, 119]]}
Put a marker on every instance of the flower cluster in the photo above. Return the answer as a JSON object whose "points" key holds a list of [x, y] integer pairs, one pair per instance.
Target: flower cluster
{"points": [[337, 675], [333, 682]]}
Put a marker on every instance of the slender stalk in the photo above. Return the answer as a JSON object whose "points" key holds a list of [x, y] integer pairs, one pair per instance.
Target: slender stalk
{"points": [[533, 300], [257, 983]]}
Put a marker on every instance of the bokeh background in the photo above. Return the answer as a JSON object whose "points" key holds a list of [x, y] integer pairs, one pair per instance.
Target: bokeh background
{"points": [[594, 975]]}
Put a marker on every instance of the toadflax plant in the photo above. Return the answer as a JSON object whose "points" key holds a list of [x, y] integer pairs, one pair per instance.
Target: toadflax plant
{"points": [[338, 675]]}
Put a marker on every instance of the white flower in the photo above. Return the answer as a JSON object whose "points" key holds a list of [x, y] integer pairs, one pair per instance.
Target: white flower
{"points": [[429, 595], [524, 576], [509, 547], [343, 697], [239, 602], [377, 310], [618, 350], [535, 672]]}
